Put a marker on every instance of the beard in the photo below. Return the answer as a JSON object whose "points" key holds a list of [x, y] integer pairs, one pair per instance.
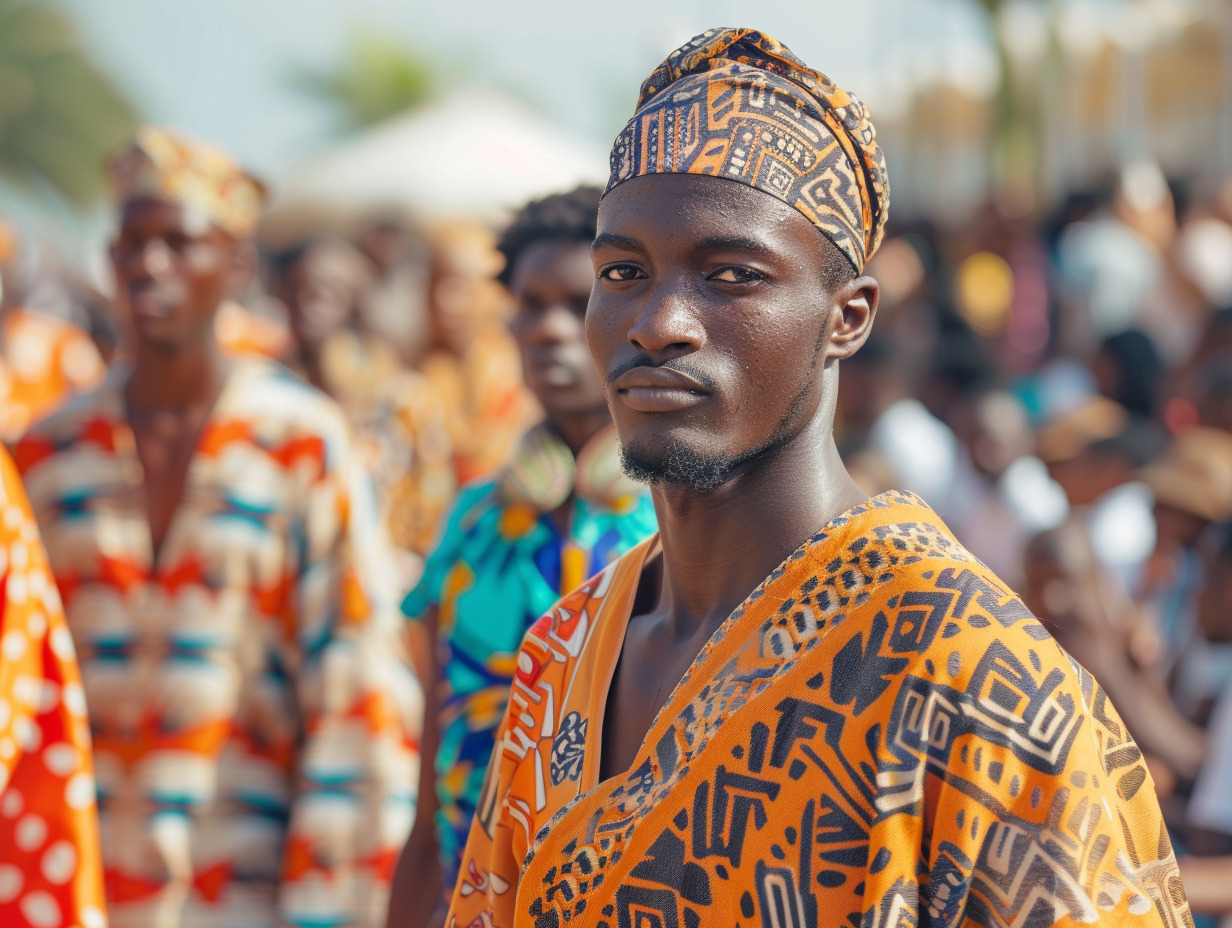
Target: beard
{"points": [[680, 466]]}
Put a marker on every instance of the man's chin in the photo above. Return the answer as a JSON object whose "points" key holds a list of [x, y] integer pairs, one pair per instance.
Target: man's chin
{"points": [[675, 464]]}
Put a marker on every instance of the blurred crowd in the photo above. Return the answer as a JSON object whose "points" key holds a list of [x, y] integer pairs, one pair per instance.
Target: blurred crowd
{"points": [[1058, 388]]}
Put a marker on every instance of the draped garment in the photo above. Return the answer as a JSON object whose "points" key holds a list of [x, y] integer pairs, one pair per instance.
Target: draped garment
{"points": [[880, 735]]}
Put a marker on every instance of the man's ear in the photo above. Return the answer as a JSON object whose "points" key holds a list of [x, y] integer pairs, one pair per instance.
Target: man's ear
{"points": [[855, 307]]}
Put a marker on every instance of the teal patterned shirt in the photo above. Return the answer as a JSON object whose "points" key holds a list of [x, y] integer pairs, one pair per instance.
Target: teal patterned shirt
{"points": [[497, 567]]}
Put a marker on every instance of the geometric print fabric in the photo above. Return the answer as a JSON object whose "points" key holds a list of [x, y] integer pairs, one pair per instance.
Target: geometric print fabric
{"points": [[881, 735]]}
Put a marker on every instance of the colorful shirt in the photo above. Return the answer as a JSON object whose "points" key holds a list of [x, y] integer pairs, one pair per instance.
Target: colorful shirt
{"points": [[44, 361], [51, 874], [255, 724], [880, 735], [498, 566]]}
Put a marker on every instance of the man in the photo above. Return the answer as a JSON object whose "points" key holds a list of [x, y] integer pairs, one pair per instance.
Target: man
{"points": [[229, 592], [469, 360], [50, 870], [556, 513], [399, 426], [795, 705]]}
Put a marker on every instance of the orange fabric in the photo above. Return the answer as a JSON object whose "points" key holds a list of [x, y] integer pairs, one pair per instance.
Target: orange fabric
{"points": [[485, 403], [881, 735], [737, 104], [51, 871], [44, 361], [242, 332]]}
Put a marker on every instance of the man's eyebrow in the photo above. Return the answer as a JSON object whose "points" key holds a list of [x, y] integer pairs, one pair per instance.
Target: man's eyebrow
{"points": [[612, 240]]}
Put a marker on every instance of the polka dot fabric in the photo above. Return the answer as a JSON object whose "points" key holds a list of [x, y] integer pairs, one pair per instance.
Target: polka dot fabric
{"points": [[50, 868]]}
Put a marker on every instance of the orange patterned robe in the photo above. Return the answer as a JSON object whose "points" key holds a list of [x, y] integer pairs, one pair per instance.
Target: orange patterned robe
{"points": [[51, 874], [255, 722], [880, 735]]}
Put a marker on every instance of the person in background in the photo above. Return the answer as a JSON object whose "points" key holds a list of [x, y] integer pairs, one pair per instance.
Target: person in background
{"points": [[470, 361], [229, 590], [43, 359], [400, 427], [1003, 495], [1100, 627], [558, 511], [1192, 488], [51, 872]]}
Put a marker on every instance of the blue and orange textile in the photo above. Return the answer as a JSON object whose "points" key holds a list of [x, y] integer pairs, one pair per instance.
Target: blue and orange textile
{"points": [[500, 563]]}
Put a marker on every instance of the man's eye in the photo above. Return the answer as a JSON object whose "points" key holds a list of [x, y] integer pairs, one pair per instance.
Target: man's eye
{"points": [[621, 272], [736, 275]]}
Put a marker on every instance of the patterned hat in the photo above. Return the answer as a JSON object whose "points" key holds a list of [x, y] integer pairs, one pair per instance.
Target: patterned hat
{"points": [[735, 103], [192, 174]]}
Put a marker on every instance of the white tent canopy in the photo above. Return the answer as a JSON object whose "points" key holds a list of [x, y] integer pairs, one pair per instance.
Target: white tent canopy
{"points": [[471, 155]]}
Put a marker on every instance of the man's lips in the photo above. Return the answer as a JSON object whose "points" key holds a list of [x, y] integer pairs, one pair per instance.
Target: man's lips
{"points": [[150, 301], [658, 389]]}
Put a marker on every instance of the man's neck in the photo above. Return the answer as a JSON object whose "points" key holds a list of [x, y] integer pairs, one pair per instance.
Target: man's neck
{"points": [[580, 427], [177, 377], [718, 547]]}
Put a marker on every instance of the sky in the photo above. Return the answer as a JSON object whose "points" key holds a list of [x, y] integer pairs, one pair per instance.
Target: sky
{"points": [[220, 69]]}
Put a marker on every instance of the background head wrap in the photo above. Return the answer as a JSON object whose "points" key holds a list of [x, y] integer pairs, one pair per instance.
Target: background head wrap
{"points": [[191, 174], [737, 104]]}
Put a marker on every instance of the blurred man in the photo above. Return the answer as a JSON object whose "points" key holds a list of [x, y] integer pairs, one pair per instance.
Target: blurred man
{"points": [[558, 511], [795, 705], [399, 424], [229, 591], [50, 869], [471, 362]]}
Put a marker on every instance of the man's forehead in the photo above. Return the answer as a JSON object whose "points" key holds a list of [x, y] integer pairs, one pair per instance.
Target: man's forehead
{"points": [[149, 213], [704, 211]]}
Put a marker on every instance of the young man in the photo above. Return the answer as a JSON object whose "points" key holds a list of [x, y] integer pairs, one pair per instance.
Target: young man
{"points": [[557, 512], [795, 705], [231, 598]]}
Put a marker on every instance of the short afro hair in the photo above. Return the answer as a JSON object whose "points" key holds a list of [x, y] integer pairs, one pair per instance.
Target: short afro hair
{"points": [[561, 217]]}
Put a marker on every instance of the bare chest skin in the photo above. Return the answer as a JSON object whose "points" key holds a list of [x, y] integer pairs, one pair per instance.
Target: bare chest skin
{"points": [[652, 662], [166, 441]]}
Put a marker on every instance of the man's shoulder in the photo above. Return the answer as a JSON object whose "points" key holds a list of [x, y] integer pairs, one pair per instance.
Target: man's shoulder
{"points": [[281, 406], [562, 633], [85, 419]]}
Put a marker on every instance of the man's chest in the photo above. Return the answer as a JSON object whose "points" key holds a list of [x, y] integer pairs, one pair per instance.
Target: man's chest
{"points": [[229, 541], [646, 674]]}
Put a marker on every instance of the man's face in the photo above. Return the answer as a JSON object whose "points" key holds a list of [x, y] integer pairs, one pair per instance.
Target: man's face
{"points": [[321, 291], [173, 268], [551, 285], [710, 321]]}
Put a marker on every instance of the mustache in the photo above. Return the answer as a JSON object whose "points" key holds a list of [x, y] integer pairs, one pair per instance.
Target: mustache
{"points": [[679, 365]]}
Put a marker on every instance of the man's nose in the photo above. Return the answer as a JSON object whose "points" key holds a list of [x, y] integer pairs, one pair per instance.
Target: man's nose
{"points": [[150, 259], [556, 323], [667, 323]]}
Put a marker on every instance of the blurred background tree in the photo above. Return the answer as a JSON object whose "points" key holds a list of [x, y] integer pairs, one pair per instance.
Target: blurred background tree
{"points": [[377, 77], [60, 114]]}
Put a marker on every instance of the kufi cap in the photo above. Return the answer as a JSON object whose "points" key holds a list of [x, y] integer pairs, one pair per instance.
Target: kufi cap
{"points": [[191, 174], [737, 104]]}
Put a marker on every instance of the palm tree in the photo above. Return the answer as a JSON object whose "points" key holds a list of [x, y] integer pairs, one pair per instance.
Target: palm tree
{"points": [[60, 115], [378, 77]]}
